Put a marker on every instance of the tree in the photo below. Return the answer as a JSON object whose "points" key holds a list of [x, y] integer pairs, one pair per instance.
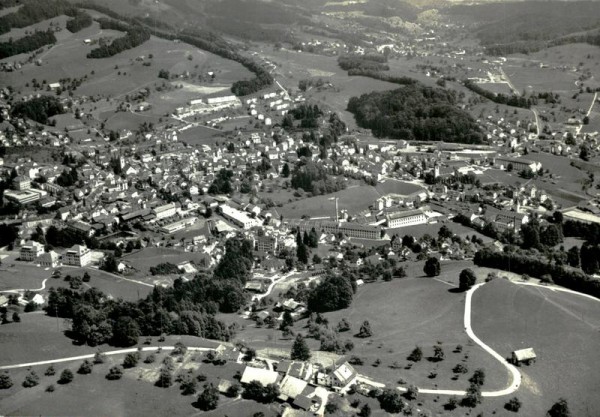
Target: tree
{"points": [[472, 396], [165, 378], [365, 411], [5, 380], [85, 368], [365, 330], [208, 398], [390, 401], [451, 404], [126, 331], [559, 409], [478, 377], [300, 350], [573, 257], [333, 293], [50, 371], [416, 355], [302, 253], [99, 357], [466, 279], [66, 376], [412, 392], [343, 325], [114, 373], [514, 404], [438, 353], [110, 264], [16, 318], [285, 171], [233, 391], [287, 321], [432, 267], [445, 233], [31, 379], [131, 360]]}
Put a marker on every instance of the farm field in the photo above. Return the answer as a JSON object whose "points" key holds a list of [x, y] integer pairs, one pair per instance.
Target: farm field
{"points": [[562, 329]]}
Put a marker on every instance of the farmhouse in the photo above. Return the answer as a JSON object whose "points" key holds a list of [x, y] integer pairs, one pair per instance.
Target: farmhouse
{"points": [[525, 356]]}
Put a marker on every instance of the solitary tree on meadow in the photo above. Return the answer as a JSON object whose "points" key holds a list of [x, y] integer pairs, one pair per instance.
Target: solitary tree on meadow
{"points": [[300, 350], [466, 279], [559, 409], [432, 267]]}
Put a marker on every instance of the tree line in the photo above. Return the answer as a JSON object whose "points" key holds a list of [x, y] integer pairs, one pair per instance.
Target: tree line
{"points": [[80, 21], [202, 39], [369, 62], [35, 11], [39, 109], [27, 43], [188, 307], [539, 267], [512, 100], [415, 112], [135, 36]]}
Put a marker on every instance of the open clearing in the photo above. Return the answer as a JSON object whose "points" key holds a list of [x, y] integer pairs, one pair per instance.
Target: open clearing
{"points": [[563, 330]]}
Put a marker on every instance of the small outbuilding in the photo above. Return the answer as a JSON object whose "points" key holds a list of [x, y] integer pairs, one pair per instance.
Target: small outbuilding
{"points": [[526, 356]]}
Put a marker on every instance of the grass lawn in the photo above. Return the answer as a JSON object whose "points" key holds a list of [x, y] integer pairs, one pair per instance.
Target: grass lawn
{"points": [[133, 395], [354, 199], [148, 257], [415, 311], [36, 338], [563, 330]]}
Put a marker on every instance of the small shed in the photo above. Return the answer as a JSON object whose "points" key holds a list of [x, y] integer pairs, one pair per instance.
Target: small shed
{"points": [[526, 356]]}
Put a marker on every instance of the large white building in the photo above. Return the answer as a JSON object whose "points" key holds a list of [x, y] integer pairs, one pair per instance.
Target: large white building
{"points": [[164, 211], [78, 255], [31, 251], [405, 218], [239, 218], [517, 164]]}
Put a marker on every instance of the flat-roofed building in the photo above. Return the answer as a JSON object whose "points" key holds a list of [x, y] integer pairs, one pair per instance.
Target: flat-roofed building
{"points": [[405, 218], [31, 251], [239, 218], [78, 255], [178, 225], [23, 197]]}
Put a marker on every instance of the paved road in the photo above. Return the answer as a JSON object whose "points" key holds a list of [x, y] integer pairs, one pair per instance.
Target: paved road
{"points": [[91, 356]]}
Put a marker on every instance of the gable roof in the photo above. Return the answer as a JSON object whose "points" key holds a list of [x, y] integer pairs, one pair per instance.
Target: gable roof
{"points": [[264, 376]]}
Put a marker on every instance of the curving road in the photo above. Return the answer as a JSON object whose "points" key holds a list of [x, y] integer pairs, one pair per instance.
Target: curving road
{"points": [[514, 372], [42, 288]]}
